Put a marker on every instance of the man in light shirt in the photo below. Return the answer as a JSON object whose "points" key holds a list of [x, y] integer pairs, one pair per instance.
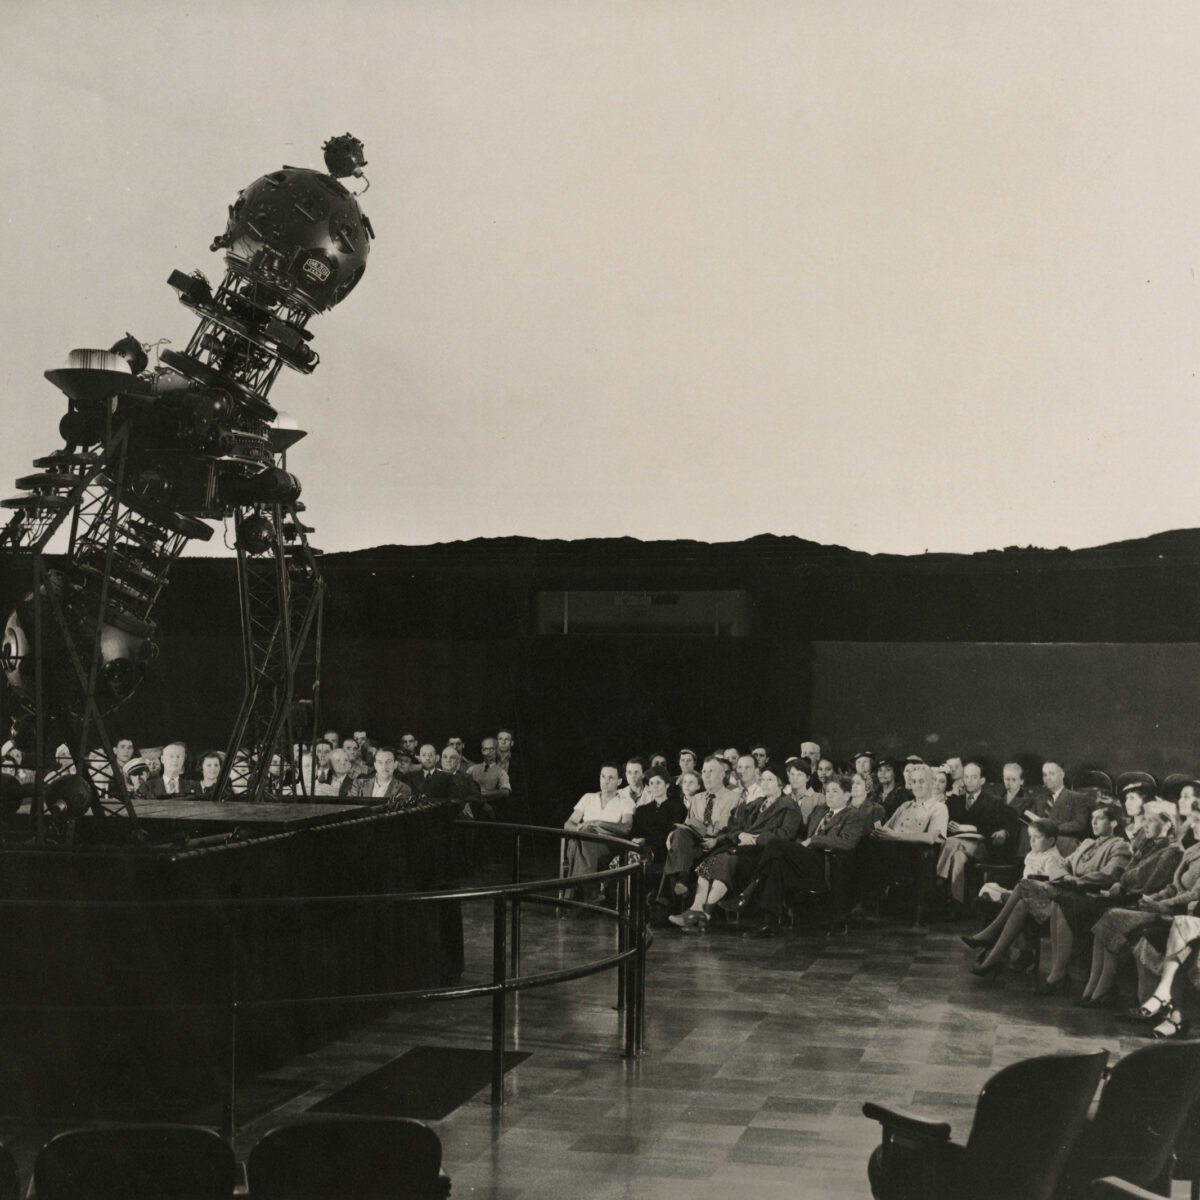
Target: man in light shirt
{"points": [[898, 851], [602, 812]]}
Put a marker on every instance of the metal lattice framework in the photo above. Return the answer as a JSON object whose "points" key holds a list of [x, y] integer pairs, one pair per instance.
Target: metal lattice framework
{"points": [[150, 456]]}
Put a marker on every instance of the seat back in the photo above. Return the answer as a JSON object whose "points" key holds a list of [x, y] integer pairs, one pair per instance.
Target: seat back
{"points": [[10, 1181], [1142, 1110], [1100, 781], [1187, 1146], [1128, 777], [347, 1158], [123, 1162], [1027, 1119]]}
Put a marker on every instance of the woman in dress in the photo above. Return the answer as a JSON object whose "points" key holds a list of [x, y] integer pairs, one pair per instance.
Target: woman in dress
{"points": [[1117, 931], [210, 768], [754, 825], [656, 815], [1097, 862]]}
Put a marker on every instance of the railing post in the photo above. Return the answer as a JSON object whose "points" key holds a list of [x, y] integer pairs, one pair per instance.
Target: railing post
{"points": [[638, 992], [630, 925], [622, 890], [499, 998], [515, 936], [229, 1123]]}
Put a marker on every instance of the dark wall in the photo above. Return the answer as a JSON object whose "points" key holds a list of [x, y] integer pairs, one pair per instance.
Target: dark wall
{"points": [[1117, 707]]}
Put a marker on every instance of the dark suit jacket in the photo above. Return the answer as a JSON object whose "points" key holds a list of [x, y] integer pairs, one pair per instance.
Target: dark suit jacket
{"points": [[187, 787], [987, 814], [845, 830], [435, 785], [782, 820]]}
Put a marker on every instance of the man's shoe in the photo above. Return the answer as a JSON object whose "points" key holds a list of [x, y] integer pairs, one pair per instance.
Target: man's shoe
{"points": [[769, 930]]}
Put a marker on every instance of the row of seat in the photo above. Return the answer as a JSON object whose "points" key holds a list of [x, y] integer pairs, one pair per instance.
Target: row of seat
{"points": [[333, 1158], [1032, 1139]]}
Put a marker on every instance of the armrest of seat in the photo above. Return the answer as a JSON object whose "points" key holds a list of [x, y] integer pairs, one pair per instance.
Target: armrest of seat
{"points": [[895, 1121], [1110, 1188]]}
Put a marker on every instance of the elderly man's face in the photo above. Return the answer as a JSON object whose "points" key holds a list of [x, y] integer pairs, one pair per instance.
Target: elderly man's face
{"points": [[1052, 775], [1013, 778], [488, 750], [428, 757], [450, 760], [922, 781], [339, 761], [172, 761]]}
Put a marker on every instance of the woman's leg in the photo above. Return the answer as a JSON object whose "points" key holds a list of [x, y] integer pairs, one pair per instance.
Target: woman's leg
{"points": [[1062, 942], [715, 894], [992, 932], [702, 888], [1096, 970], [1107, 978], [1009, 934]]}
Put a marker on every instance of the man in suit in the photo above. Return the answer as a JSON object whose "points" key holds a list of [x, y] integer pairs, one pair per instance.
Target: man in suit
{"points": [[835, 827], [382, 785], [460, 787], [1070, 811], [974, 820], [427, 778], [709, 812], [174, 757]]}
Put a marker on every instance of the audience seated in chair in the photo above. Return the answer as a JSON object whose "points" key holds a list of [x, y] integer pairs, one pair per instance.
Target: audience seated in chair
{"points": [[602, 812], [754, 826]]}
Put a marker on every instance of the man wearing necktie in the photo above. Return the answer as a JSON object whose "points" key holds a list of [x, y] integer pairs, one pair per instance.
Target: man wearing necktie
{"points": [[708, 814]]}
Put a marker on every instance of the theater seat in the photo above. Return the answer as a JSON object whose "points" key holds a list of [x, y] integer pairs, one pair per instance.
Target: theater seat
{"points": [[348, 1158], [1141, 1113], [10, 1186], [1026, 1121], [125, 1162]]}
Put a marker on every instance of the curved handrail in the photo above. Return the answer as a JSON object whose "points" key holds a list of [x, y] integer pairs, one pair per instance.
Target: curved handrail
{"points": [[629, 958]]}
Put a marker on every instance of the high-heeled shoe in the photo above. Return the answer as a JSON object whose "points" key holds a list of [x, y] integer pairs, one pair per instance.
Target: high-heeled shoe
{"points": [[974, 940], [1043, 987], [994, 973], [1151, 1010], [1176, 1026]]}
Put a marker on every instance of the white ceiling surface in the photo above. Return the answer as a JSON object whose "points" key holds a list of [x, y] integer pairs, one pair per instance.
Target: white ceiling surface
{"points": [[896, 276]]}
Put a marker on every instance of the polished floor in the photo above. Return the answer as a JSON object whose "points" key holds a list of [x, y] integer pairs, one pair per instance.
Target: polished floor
{"points": [[758, 1058]]}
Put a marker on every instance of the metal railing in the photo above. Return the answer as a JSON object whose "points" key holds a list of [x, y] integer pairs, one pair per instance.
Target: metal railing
{"points": [[628, 915]]}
